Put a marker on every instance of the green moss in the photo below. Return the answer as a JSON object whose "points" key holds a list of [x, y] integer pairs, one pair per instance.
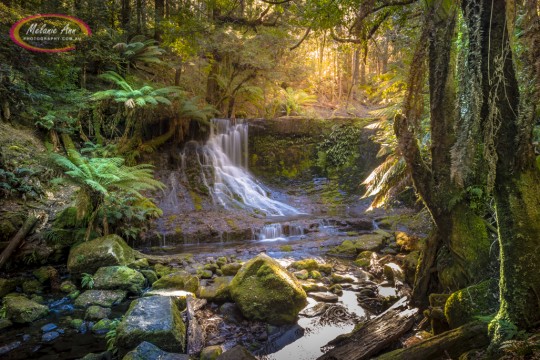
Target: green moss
{"points": [[21, 310], [230, 269], [314, 274], [197, 200], [232, 224], [326, 268], [286, 248], [119, 277], [162, 270], [180, 280], [218, 291], [306, 264]]}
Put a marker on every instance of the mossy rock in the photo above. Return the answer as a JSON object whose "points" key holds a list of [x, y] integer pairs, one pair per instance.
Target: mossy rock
{"points": [[67, 287], [326, 268], [211, 352], [217, 291], [7, 286], [204, 274], [149, 351], [156, 319], [45, 273], [315, 274], [150, 276], [180, 280], [350, 248], [89, 256], [105, 298], [231, 269], [301, 275], [102, 327], [306, 264], [119, 278], [406, 241], [139, 264], [340, 279], [162, 270], [467, 304], [21, 310], [265, 291], [96, 312], [32, 287]]}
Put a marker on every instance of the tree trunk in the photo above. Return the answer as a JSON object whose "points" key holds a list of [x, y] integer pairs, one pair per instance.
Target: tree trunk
{"points": [[14, 243], [159, 14], [125, 15]]}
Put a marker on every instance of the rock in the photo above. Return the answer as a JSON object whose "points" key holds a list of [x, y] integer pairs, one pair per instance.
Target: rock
{"points": [[106, 355], [230, 269], [236, 353], [307, 264], [32, 287], [7, 286], [315, 310], [119, 278], [148, 351], [5, 323], [326, 268], [324, 296], [467, 304], [407, 242], [150, 276], [336, 289], [104, 298], [211, 352], [217, 291], [264, 290], [211, 266], [76, 324], [89, 256], [162, 270], [48, 327], [67, 287], [204, 274], [350, 248], [314, 274], [339, 279], [21, 310], [312, 287], [360, 223], [96, 312], [393, 272], [45, 273], [139, 264], [9, 347], [102, 327], [180, 280], [50, 336], [301, 275], [156, 319], [409, 262], [231, 313]]}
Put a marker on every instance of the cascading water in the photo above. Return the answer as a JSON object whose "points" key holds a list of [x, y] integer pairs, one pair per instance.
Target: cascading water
{"points": [[271, 232], [226, 153]]}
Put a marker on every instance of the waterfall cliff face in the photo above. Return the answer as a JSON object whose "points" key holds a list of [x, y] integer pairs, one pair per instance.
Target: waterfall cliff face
{"points": [[224, 160]]}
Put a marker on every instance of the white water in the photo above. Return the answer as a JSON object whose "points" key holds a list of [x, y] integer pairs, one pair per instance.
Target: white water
{"points": [[226, 152]]}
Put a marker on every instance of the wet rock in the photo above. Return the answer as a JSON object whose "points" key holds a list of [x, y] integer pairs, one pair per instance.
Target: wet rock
{"points": [[231, 313], [119, 278], [180, 280], [45, 274], [155, 319], [326, 268], [237, 353], [388, 250], [338, 279], [98, 356], [230, 269], [362, 275], [364, 259], [5, 323], [467, 304], [315, 310], [312, 287], [301, 275], [211, 352], [306, 264], [314, 274], [336, 289], [21, 310], [32, 287], [67, 287], [360, 223], [148, 351], [78, 325], [48, 327], [104, 298], [217, 291], [350, 248], [139, 264], [264, 290], [204, 274], [50, 336], [393, 272], [324, 296], [150, 276], [7, 286], [96, 312], [102, 327], [9, 347], [89, 256], [162, 270]]}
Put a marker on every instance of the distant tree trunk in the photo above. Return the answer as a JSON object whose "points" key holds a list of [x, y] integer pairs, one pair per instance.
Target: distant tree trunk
{"points": [[212, 86], [158, 18], [125, 14], [139, 6]]}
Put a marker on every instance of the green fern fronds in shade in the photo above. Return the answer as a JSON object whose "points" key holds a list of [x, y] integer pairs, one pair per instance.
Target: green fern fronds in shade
{"points": [[140, 50]]}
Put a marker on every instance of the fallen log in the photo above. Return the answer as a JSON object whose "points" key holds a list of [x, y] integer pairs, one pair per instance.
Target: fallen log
{"points": [[449, 344], [195, 334], [374, 335], [17, 239]]}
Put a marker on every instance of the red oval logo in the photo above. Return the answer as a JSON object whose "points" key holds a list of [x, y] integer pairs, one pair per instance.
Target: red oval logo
{"points": [[49, 33]]}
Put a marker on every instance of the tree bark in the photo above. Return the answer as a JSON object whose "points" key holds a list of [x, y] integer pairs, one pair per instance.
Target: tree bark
{"points": [[125, 14], [14, 243], [158, 18]]}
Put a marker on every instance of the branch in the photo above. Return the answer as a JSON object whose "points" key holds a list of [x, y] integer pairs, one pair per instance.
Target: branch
{"points": [[302, 39], [365, 37], [276, 2]]}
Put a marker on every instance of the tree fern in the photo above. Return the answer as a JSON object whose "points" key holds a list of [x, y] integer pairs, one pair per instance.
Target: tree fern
{"points": [[139, 50]]}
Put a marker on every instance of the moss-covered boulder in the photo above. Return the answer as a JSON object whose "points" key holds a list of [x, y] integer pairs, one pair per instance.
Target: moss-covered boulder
{"points": [[264, 290], [67, 287], [162, 270], [105, 251], [102, 327], [350, 248], [217, 291], [149, 351], [96, 312], [21, 310], [32, 287], [306, 264], [180, 280], [301, 275], [465, 305], [230, 269], [150, 276], [237, 353], [211, 352], [119, 278], [45, 274], [156, 319], [7, 286], [105, 298]]}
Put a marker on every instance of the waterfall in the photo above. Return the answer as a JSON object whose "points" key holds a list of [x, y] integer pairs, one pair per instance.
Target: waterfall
{"points": [[271, 232], [225, 154]]}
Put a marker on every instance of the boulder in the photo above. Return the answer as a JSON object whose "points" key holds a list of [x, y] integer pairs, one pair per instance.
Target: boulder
{"points": [[217, 291], [96, 312], [150, 276], [467, 304], [393, 272], [230, 269], [32, 287], [21, 310], [306, 264], [149, 351], [67, 287], [119, 278], [45, 273], [7, 286], [211, 352], [350, 248], [104, 298], [237, 353], [102, 327], [324, 296], [156, 319], [264, 290], [301, 275], [180, 280], [162, 270], [89, 256]]}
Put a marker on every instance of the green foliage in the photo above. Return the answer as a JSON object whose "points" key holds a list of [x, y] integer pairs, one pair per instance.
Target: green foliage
{"points": [[111, 335], [87, 281], [339, 147], [190, 109], [295, 101], [139, 50], [19, 182]]}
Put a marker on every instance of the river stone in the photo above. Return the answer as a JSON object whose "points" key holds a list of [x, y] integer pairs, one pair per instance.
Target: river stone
{"points": [[264, 290], [315, 310], [211, 352], [67, 287], [104, 298], [5, 323], [21, 310], [217, 291], [106, 355], [96, 312], [89, 256], [324, 296], [350, 248], [7, 286], [236, 353], [393, 272], [119, 278], [102, 327], [467, 304], [148, 351], [306, 264], [150, 276], [45, 273], [9, 347], [50, 336], [301, 275], [231, 313], [32, 287], [230, 269], [156, 319], [180, 280]]}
